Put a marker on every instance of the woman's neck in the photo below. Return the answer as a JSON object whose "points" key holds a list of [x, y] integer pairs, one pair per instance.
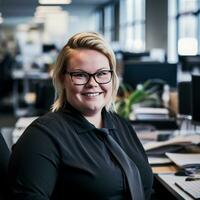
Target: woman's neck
{"points": [[96, 120]]}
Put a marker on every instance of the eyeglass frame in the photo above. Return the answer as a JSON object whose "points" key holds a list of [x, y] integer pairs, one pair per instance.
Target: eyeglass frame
{"points": [[90, 75]]}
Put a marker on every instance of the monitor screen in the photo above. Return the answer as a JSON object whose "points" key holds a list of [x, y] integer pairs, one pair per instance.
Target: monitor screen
{"points": [[134, 56], [189, 63], [48, 47], [184, 98], [136, 73], [195, 99]]}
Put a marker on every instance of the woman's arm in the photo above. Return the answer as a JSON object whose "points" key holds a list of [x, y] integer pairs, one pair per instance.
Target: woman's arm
{"points": [[33, 166]]}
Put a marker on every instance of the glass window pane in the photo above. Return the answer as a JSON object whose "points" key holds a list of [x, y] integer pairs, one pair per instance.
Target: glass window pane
{"points": [[108, 17], [172, 31], [188, 5], [188, 40], [188, 26], [108, 23], [132, 20], [129, 38], [139, 40], [122, 37], [97, 21], [108, 36], [122, 12], [129, 9], [139, 10]]}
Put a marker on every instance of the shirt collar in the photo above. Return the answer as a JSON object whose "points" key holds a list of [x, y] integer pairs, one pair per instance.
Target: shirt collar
{"points": [[81, 124]]}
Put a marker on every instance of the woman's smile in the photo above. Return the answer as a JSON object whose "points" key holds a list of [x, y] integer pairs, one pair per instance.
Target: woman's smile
{"points": [[92, 94]]}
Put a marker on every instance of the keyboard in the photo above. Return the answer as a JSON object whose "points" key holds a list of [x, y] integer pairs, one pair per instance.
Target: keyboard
{"points": [[192, 188]]}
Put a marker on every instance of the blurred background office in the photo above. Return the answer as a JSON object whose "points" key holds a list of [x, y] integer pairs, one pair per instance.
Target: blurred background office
{"points": [[155, 40], [157, 46]]}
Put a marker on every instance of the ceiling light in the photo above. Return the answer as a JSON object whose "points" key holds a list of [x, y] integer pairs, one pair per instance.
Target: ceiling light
{"points": [[54, 2], [48, 9], [42, 11]]}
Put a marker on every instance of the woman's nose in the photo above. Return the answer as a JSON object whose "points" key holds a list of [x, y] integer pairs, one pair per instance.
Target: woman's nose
{"points": [[92, 82]]}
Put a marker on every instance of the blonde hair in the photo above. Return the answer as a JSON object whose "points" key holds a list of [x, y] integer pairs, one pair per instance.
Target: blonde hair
{"points": [[84, 40]]}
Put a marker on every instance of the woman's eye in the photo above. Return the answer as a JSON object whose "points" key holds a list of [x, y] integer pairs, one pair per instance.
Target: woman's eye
{"points": [[103, 73], [80, 75]]}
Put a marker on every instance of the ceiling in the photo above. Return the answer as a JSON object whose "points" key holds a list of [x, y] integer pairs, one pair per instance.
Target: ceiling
{"points": [[26, 8]]}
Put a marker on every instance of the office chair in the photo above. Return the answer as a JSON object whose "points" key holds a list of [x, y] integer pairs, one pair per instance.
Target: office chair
{"points": [[4, 158]]}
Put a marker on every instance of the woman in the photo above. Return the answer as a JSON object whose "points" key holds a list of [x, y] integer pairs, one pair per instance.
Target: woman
{"points": [[66, 154]]}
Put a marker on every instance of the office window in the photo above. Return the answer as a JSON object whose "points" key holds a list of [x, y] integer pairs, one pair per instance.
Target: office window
{"points": [[107, 21], [187, 27], [187, 5], [172, 32], [99, 21], [132, 25], [184, 28], [108, 15], [187, 38], [188, 23]]}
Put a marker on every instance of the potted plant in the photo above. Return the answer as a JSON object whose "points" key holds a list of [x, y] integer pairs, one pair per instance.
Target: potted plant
{"points": [[147, 94]]}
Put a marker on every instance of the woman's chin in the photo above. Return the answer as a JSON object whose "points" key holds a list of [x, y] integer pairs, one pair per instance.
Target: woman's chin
{"points": [[92, 110]]}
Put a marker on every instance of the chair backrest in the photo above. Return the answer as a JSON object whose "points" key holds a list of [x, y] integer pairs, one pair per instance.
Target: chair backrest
{"points": [[4, 158]]}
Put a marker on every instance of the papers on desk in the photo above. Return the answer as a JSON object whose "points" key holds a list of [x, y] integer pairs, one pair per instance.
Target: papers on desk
{"points": [[151, 113], [156, 151], [185, 159], [154, 135], [171, 145], [158, 160]]}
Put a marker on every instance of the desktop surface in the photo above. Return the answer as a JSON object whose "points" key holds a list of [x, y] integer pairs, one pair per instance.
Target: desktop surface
{"points": [[171, 182]]}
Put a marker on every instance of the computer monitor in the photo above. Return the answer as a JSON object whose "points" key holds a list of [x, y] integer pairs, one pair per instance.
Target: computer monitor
{"points": [[189, 62], [184, 98], [195, 99], [137, 73], [128, 56], [48, 47]]}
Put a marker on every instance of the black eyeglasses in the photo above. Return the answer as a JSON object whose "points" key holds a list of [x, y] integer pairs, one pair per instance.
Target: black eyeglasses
{"points": [[82, 78]]}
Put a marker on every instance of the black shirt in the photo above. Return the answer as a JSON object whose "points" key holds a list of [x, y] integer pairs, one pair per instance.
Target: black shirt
{"points": [[61, 157]]}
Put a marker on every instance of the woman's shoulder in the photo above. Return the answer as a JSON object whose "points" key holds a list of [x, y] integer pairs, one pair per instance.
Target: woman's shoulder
{"points": [[51, 118], [51, 121], [50, 125]]}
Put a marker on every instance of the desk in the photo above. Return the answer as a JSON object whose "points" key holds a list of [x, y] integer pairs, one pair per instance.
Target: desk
{"points": [[168, 181], [164, 184], [164, 169]]}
